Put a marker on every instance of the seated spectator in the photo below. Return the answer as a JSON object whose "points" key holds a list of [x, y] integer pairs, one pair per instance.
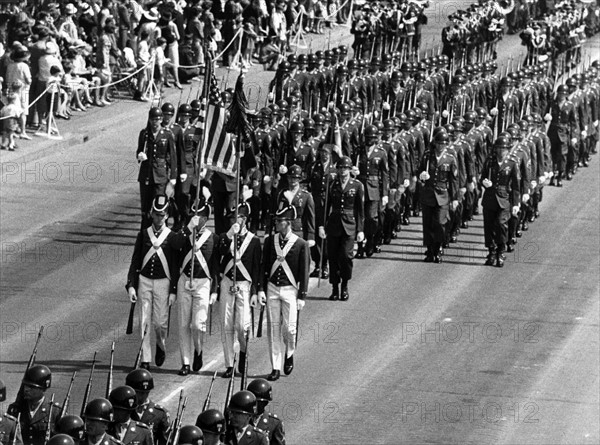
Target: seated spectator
{"points": [[270, 54]]}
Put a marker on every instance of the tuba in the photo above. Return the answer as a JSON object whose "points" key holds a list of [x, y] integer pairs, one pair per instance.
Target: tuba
{"points": [[506, 6]]}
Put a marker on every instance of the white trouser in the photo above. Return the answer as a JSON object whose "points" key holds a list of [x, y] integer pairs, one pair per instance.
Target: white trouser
{"points": [[154, 310], [241, 312], [193, 313], [281, 322]]}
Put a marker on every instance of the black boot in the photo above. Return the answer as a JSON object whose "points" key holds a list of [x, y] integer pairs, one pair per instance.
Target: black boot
{"points": [[335, 292], [491, 258], [345, 295]]}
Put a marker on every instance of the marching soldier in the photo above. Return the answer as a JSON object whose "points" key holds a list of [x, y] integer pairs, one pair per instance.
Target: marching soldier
{"points": [[146, 411], [61, 439], [35, 412], [286, 262], [212, 424], [268, 423], [242, 407], [439, 192], [157, 155], [295, 195], [10, 432], [198, 283], [374, 175], [73, 426], [126, 430], [562, 132], [238, 293], [98, 416], [190, 435], [188, 176], [343, 222], [501, 180], [151, 278]]}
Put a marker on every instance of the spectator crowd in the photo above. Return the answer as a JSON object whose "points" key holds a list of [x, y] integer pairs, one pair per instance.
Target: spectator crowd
{"points": [[72, 55]]}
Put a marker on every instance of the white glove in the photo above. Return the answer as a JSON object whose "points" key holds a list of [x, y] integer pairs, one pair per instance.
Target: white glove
{"points": [[262, 298], [494, 111], [384, 201], [170, 189], [173, 181], [525, 198], [541, 180], [271, 96], [213, 298], [183, 177], [132, 294], [360, 237], [266, 179], [322, 233], [311, 242], [172, 298], [355, 171], [486, 183], [533, 184], [233, 230], [282, 169], [550, 174], [194, 222], [470, 186], [548, 117], [386, 106], [454, 205], [596, 123], [515, 210], [406, 183], [574, 141], [445, 113], [584, 134], [142, 156], [253, 300], [424, 176], [300, 304]]}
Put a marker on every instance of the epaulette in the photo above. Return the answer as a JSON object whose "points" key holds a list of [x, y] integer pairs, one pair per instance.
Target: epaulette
{"points": [[10, 417], [141, 425], [274, 416]]}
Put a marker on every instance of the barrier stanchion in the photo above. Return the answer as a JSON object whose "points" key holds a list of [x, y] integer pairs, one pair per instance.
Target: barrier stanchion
{"points": [[51, 126], [300, 34]]}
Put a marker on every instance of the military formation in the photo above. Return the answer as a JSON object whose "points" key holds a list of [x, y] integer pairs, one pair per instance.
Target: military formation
{"points": [[128, 416]]}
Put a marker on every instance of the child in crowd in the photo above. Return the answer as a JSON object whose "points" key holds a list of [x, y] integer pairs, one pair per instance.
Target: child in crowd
{"points": [[18, 72], [10, 115], [160, 73], [248, 42]]}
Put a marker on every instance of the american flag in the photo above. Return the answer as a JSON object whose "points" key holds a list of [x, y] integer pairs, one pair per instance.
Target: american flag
{"points": [[218, 151]]}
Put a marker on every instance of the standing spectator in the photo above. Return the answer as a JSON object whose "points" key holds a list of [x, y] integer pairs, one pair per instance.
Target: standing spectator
{"points": [[143, 57], [106, 47], [248, 42], [67, 29], [124, 21], [46, 62], [18, 72], [195, 29], [278, 25], [37, 50], [10, 116], [231, 25], [88, 24], [170, 33]]}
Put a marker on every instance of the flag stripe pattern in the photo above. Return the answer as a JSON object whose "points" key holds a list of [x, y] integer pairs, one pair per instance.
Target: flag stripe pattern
{"points": [[218, 152]]}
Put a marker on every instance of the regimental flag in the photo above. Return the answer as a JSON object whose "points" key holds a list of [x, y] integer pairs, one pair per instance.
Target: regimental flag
{"points": [[218, 152]]}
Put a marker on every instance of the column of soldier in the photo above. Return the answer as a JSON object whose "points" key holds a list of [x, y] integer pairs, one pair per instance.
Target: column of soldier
{"points": [[127, 415]]}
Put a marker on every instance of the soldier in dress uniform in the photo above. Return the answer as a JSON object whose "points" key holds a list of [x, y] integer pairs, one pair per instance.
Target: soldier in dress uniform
{"points": [[342, 223], [374, 175], [286, 265], [500, 179], [562, 132], [212, 424], [195, 294], [241, 408], [239, 294], [10, 432], [151, 277], [98, 416], [265, 421], [146, 411], [439, 192], [304, 223], [187, 168], [34, 410], [124, 428], [190, 435], [157, 155]]}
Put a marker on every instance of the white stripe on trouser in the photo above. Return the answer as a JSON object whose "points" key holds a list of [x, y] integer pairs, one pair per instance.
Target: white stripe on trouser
{"points": [[281, 319], [242, 321], [193, 313], [154, 312]]}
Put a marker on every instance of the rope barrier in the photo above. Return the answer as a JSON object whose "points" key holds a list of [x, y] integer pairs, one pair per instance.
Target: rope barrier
{"points": [[31, 104], [116, 82]]}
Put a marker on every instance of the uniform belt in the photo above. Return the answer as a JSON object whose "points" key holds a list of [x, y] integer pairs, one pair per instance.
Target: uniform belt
{"points": [[373, 177]]}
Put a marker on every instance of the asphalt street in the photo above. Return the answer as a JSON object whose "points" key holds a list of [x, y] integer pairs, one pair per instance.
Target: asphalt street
{"points": [[453, 353]]}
